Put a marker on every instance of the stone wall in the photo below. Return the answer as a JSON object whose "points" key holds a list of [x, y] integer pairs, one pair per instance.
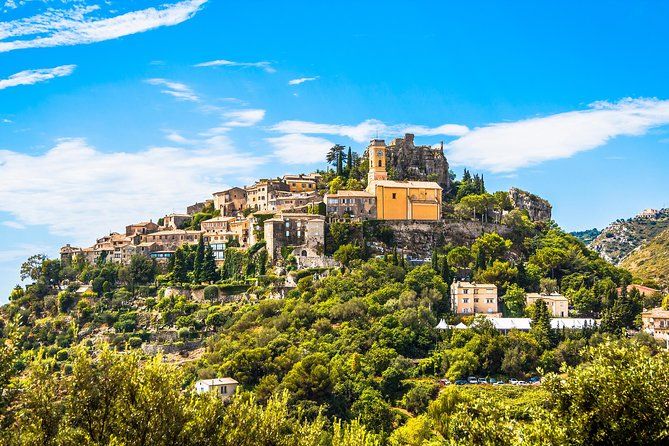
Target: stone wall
{"points": [[537, 208], [418, 239]]}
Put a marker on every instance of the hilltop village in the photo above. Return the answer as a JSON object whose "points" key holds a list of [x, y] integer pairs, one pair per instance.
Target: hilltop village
{"points": [[400, 184]]}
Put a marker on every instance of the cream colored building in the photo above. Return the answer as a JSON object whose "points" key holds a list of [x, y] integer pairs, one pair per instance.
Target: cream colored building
{"points": [[557, 304], [474, 298], [400, 200], [656, 322], [223, 387], [217, 224]]}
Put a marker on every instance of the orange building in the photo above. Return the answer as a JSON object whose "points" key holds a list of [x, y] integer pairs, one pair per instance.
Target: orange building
{"points": [[400, 200]]}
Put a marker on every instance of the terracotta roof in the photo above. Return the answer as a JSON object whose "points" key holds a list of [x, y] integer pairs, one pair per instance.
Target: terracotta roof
{"points": [[217, 219], [350, 193], [407, 184]]}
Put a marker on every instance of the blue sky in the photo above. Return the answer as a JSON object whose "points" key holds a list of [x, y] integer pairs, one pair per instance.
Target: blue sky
{"points": [[113, 112]]}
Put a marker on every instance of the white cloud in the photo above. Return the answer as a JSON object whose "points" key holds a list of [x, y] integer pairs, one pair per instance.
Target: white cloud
{"points": [[505, 147], [30, 77], [264, 65], [244, 118], [81, 192], [13, 224], [301, 80], [366, 130], [75, 26], [6, 121], [178, 90], [300, 149]]}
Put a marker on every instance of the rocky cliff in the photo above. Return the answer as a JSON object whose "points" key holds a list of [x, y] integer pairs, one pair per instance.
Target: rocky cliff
{"points": [[537, 208], [622, 237], [406, 161]]}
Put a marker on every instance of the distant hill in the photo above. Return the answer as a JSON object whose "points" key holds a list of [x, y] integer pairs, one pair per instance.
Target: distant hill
{"points": [[651, 260], [587, 236], [622, 237]]}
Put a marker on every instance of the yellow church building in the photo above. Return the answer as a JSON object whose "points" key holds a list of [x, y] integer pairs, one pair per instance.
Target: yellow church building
{"points": [[400, 200]]}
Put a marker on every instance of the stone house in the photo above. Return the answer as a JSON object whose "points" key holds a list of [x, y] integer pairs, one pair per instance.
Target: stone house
{"points": [[259, 195], [285, 201], [217, 224], [355, 204], [474, 298], [175, 221], [304, 234], [230, 202], [144, 227]]}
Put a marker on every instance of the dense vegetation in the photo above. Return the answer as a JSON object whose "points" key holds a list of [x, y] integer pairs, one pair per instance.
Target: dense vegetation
{"points": [[651, 260], [340, 356]]}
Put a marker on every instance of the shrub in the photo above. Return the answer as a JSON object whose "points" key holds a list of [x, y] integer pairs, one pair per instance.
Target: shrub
{"points": [[211, 292]]}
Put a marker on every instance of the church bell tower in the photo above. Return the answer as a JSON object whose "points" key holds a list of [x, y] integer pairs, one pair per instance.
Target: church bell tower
{"points": [[377, 161]]}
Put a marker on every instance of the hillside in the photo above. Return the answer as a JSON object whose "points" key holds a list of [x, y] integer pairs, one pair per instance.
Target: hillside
{"points": [[587, 236], [622, 237], [651, 260]]}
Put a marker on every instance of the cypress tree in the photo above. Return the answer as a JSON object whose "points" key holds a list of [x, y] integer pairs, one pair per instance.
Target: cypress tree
{"points": [[209, 266], [180, 270], [349, 161], [198, 264]]}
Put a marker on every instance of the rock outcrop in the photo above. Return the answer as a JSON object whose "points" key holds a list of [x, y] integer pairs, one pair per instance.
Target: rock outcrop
{"points": [[407, 161], [537, 208]]}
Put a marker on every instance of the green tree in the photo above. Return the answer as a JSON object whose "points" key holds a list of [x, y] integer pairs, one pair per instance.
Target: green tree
{"points": [[514, 300], [180, 269], [541, 324], [209, 272], [198, 263]]}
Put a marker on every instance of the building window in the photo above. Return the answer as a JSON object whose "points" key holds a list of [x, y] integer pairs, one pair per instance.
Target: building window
{"points": [[489, 301], [476, 300], [287, 233], [394, 195], [465, 300]]}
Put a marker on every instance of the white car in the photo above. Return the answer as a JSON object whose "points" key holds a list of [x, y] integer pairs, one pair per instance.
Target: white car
{"points": [[513, 381], [521, 383]]}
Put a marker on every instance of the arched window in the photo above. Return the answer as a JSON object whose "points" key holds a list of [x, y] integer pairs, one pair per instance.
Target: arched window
{"points": [[380, 163], [304, 253]]}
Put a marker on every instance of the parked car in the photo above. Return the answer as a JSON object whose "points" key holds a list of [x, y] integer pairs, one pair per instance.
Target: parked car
{"points": [[444, 382], [498, 383], [535, 380], [513, 381], [521, 383], [483, 381], [472, 380], [492, 380], [460, 382]]}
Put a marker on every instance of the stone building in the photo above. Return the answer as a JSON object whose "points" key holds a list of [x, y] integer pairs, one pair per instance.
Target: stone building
{"points": [[304, 233], [407, 161], [299, 201], [175, 221], [198, 207], [258, 195], [230, 202], [355, 204], [656, 322], [217, 224], [144, 227]]}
